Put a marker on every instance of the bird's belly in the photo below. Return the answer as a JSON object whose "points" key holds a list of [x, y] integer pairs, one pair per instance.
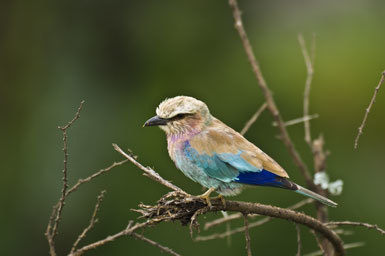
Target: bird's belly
{"points": [[197, 174]]}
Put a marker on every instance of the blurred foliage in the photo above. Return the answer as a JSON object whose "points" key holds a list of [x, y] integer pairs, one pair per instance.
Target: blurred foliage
{"points": [[124, 57]]}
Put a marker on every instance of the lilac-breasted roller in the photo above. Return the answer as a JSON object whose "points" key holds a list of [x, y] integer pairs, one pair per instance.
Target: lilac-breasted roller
{"points": [[216, 156]]}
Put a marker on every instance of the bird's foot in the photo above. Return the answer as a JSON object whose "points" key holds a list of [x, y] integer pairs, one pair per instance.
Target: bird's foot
{"points": [[223, 200], [206, 196]]}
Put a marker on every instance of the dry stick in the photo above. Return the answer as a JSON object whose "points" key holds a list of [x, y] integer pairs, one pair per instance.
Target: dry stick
{"points": [[58, 208], [239, 215], [96, 174], [161, 247], [127, 231], [232, 231], [298, 120], [317, 150], [319, 243], [253, 118], [346, 246], [298, 240], [247, 235], [309, 78], [267, 94], [368, 110], [149, 172], [351, 223], [93, 221]]}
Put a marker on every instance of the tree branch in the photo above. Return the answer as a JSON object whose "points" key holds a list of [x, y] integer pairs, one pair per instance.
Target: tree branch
{"points": [[298, 239], [351, 223], [96, 174], [92, 221], [161, 247], [247, 235], [368, 109], [183, 208], [309, 79], [148, 171], [253, 119], [57, 210], [268, 96], [238, 215]]}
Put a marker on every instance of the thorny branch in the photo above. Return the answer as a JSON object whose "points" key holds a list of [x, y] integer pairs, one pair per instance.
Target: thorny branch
{"points": [[368, 109], [92, 221], [56, 214]]}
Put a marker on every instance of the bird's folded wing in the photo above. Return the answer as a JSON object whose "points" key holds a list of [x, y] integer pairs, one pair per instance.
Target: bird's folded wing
{"points": [[224, 153]]}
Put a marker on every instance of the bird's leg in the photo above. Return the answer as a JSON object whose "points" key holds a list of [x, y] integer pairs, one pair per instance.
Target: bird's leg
{"points": [[206, 196]]}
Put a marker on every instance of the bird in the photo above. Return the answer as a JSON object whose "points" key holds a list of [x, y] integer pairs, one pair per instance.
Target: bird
{"points": [[216, 156]]}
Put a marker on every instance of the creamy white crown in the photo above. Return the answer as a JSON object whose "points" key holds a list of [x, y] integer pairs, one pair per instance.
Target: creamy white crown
{"points": [[180, 105]]}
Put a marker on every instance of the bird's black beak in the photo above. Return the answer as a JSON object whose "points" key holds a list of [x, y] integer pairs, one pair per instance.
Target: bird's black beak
{"points": [[154, 121]]}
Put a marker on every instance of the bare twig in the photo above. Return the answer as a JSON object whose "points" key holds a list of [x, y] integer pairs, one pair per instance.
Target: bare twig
{"points": [[161, 247], [127, 231], [298, 120], [298, 240], [313, 49], [319, 243], [239, 215], [233, 231], [253, 118], [93, 221], [309, 78], [96, 174], [148, 171], [56, 214], [346, 246], [368, 110], [247, 235], [268, 96], [351, 223], [228, 228]]}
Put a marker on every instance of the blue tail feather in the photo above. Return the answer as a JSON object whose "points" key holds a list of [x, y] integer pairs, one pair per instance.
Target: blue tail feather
{"points": [[266, 178]]}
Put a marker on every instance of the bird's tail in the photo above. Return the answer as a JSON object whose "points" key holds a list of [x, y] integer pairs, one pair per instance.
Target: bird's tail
{"points": [[309, 193]]}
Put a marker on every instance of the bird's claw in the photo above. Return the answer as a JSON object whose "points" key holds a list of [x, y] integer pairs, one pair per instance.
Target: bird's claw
{"points": [[206, 196], [222, 198]]}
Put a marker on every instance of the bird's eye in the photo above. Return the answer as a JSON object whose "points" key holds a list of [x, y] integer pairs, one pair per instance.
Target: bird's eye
{"points": [[180, 116]]}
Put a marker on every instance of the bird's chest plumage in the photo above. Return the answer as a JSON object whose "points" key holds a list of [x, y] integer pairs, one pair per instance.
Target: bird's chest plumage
{"points": [[195, 167], [178, 148]]}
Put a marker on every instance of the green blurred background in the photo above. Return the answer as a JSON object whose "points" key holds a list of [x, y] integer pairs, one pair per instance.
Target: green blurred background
{"points": [[124, 57]]}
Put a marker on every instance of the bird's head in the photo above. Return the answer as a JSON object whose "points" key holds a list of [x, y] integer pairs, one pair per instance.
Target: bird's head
{"points": [[181, 114]]}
